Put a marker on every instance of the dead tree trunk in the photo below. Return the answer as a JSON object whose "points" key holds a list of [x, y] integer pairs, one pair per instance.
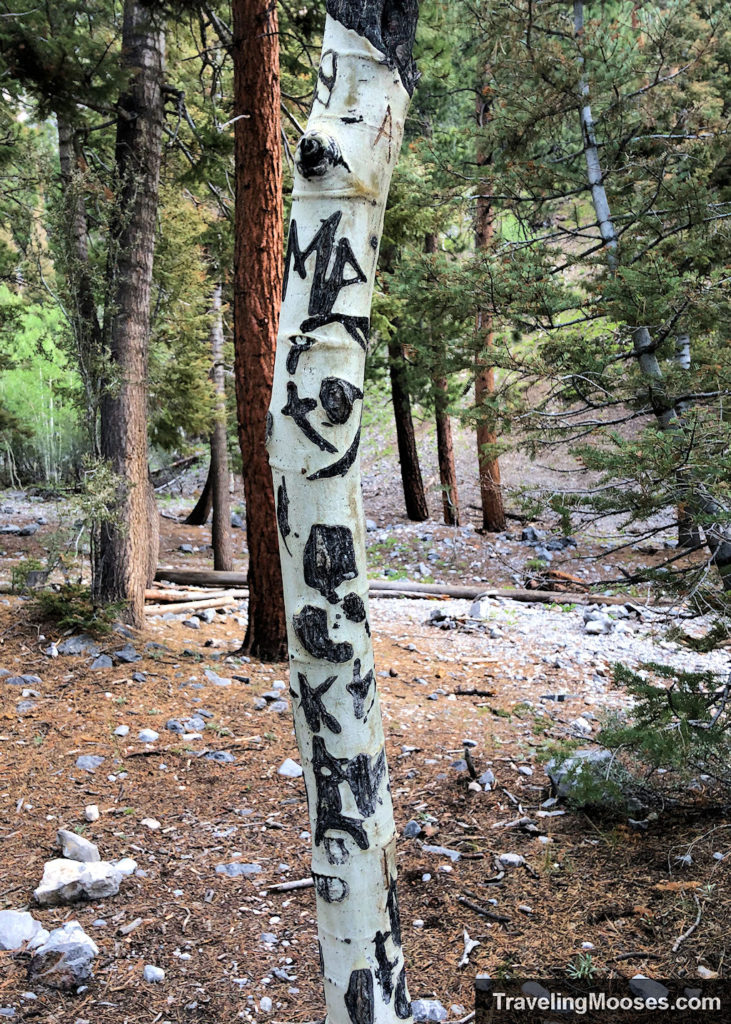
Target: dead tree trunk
{"points": [[491, 495], [123, 548], [257, 298], [221, 529], [343, 165], [414, 494]]}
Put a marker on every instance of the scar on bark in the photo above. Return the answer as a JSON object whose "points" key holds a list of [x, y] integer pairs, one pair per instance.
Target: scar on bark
{"points": [[327, 78], [358, 689], [393, 911], [283, 513], [329, 559], [337, 397], [385, 968], [331, 888], [310, 628], [359, 997], [355, 610], [329, 775], [312, 704], [402, 1003], [299, 408], [341, 467], [300, 343]]}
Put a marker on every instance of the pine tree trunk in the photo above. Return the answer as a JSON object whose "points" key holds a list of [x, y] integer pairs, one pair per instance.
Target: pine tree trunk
{"points": [[200, 512], [123, 549], [414, 494], [445, 449], [221, 529], [491, 495], [689, 536], [343, 169], [257, 297], [85, 323]]}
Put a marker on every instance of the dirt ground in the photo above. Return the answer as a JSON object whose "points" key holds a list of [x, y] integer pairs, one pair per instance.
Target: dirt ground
{"points": [[179, 815], [587, 879]]}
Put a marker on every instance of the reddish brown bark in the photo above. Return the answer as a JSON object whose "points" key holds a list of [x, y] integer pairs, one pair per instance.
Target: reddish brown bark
{"points": [[258, 270], [493, 511], [126, 545]]}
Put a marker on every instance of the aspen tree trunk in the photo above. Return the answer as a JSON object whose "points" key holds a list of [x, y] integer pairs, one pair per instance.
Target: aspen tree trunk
{"points": [[696, 500], [491, 495], [344, 164], [257, 297], [221, 528], [126, 546]]}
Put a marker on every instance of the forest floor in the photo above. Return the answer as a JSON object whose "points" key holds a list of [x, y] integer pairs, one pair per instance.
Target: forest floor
{"points": [[592, 885]]}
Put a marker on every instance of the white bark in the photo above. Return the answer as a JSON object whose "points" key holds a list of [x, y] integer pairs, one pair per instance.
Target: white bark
{"points": [[344, 164]]}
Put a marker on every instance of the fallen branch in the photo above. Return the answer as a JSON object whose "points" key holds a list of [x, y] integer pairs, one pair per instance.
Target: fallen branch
{"points": [[689, 931], [300, 883], [483, 911]]}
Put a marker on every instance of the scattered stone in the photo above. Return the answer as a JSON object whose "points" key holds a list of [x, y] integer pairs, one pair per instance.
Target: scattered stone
{"points": [[187, 549], [279, 706], [18, 927], [371, 526], [442, 851], [192, 623], [103, 661], [91, 812], [66, 881], [412, 829], [152, 823], [525, 770], [153, 974], [531, 536], [511, 860], [89, 762], [173, 725], [575, 771], [29, 530], [213, 677], [428, 1010], [487, 779], [290, 769], [269, 938], [525, 909], [237, 522], [126, 866], [220, 757], [75, 847], [65, 958], [23, 707], [148, 735], [265, 1004], [236, 868], [139, 677], [196, 723], [81, 644], [581, 727], [127, 654], [648, 988], [598, 626], [121, 730]]}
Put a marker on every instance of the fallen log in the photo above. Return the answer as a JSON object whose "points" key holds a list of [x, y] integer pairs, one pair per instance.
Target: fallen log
{"points": [[400, 588], [189, 606], [181, 596]]}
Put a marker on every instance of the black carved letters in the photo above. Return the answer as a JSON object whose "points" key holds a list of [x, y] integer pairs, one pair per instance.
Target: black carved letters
{"points": [[310, 628], [329, 559]]}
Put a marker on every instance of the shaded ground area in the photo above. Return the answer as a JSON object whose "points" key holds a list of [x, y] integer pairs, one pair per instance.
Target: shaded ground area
{"points": [[224, 942]]}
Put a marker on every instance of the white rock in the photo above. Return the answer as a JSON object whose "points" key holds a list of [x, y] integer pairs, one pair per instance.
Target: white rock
{"points": [[121, 730], [581, 726], [91, 812], [76, 847], [17, 927], [152, 823], [126, 866], [511, 860], [148, 735], [153, 974], [289, 769], [65, 881], [482, 608], [65, 958], [265, 1004]]}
